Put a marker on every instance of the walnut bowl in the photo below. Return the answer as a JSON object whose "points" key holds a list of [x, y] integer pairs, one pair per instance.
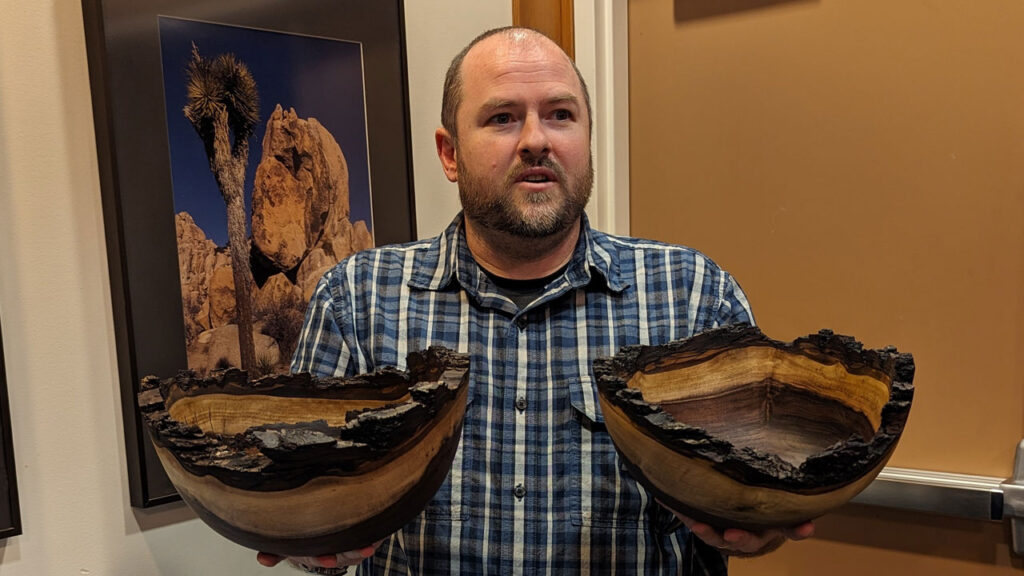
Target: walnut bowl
{"points": [[737, 430], [300, 466]]}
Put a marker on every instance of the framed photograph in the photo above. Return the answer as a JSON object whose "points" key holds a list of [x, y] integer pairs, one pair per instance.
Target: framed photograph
{"points": [[10, 513], [244, 149]]}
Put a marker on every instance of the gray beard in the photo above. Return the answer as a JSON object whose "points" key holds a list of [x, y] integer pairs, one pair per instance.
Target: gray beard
{"points": [[498, 212]]}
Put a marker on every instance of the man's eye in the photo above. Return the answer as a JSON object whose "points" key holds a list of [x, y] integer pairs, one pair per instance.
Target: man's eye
{"points": [[563, 115], [503, 118]]}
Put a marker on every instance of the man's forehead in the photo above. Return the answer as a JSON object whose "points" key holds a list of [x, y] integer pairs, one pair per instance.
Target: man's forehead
{"points": [[512, 42], [521, 52]]}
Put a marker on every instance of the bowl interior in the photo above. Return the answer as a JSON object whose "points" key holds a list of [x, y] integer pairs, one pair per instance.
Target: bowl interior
{"points": [[229, 414], [769, 400]]}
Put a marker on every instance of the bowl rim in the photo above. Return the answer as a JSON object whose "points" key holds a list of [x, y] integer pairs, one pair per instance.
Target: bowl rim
{"points": [[824, 471], [271, 457]]}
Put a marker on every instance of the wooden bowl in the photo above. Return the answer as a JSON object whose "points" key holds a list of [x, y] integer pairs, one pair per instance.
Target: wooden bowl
{"points": [[737, 430], [300, 466]]}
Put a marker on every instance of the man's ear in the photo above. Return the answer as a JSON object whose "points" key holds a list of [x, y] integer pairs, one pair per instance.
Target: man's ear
{"points": [[446, 152]]}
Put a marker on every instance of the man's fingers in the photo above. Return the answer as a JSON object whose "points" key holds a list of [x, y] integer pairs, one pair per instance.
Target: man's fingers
{"points": [[359, 555], [743, 542], [327, 561], [753, 542], [736, 536], [349, 558], [268, 560], [708, 534], [801, 532]]}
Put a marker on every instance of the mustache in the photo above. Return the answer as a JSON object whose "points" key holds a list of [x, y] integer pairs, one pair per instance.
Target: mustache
{"points": [[517, 170]]}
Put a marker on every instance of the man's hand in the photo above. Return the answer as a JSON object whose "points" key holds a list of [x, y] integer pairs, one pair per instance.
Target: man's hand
{"points": [[350, 558], [736, 542], [741, 543]]}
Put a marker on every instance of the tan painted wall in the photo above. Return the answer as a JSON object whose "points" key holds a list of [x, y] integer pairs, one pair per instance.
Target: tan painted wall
{"points": [[858, 165]]}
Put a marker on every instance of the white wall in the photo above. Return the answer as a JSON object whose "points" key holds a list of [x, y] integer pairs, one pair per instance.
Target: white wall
{"points": [[55, 298], [435, 32]]}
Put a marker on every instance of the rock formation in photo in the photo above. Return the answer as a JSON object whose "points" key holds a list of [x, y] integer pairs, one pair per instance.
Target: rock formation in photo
{"points": [[300, 201], [300, 228]]}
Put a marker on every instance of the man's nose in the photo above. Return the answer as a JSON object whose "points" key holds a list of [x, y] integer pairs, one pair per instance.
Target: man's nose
{"points": [[533, 140]]}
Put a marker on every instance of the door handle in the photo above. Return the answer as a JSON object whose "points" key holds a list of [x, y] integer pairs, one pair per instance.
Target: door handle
{"points": [[950, 494]]}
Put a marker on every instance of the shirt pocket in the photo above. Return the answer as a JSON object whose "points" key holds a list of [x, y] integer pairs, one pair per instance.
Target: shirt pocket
{"points": [[448, 504], [603, 493]]}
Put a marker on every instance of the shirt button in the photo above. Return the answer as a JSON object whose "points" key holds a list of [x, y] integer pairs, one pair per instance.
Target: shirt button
{"points": [[521, 403], [519, 491]]}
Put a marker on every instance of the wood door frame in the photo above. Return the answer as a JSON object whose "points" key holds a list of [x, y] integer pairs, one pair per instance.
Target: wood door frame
{"points": [[553, 19], [599, 42]]}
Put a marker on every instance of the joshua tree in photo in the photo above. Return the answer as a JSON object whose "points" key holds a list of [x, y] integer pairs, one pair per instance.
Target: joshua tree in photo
{"points": [[223, 107]]}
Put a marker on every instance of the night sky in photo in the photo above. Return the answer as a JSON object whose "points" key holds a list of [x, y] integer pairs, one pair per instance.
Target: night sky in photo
{"points": [[318, 77]]}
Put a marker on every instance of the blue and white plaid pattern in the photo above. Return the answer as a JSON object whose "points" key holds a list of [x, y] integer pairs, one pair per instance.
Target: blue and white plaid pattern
{"points": [[536, 489]]}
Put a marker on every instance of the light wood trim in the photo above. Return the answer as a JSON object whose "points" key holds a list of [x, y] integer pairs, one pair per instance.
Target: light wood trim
{"points": [[553, 18]]}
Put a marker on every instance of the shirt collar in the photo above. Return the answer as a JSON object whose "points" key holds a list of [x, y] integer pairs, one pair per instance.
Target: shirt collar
{"points": [[448, 259]]}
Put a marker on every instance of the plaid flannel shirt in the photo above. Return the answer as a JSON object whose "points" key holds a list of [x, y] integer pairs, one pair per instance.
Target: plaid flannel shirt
{"points": [[536, 486]]}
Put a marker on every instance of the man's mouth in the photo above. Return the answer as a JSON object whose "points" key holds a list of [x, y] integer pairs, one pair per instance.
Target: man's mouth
{"points": [[537, 176]]}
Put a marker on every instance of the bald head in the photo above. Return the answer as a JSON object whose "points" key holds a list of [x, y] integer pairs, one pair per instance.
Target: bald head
{"points": [[510, 36]]}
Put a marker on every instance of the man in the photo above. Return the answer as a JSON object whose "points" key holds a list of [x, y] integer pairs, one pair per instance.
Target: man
{"points": [[521, 283]]}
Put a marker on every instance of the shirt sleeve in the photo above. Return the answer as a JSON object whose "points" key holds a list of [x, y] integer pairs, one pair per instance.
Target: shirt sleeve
{"points": [[321, 349], [734, 307]]}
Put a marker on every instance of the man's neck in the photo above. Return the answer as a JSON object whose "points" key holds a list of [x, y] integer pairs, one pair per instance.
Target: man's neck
{"points": [[518, 258]]}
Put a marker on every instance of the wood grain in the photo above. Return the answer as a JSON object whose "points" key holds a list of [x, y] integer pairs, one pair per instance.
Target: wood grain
{"points": [[739, 430], [300, 466]]}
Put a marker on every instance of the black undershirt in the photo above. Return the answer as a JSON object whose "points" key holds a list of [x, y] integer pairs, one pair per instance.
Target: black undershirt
{"points": [[522, 292]]}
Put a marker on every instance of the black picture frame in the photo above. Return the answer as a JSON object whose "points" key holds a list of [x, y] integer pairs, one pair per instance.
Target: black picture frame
{"points": [[123, 48], [10, 511]]}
